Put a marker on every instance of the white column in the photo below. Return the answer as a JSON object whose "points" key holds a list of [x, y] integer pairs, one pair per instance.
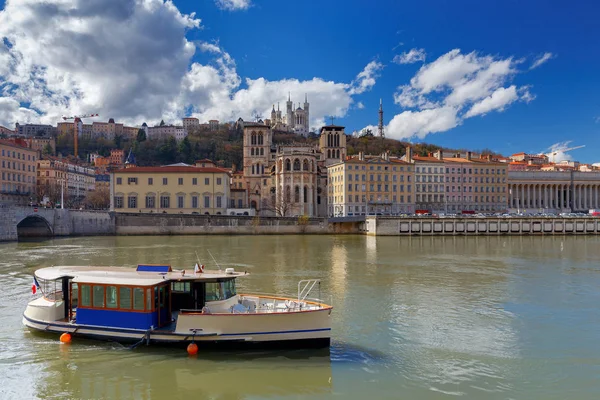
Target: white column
{"points": [[522, 196], [595, 196], [568, 197], [546, 188]]}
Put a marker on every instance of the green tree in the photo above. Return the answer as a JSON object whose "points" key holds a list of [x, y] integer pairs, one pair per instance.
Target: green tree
{"points": [[141, 135], [185, 151], [119, 141], [47, 151], [162, 123], [167, 153]]}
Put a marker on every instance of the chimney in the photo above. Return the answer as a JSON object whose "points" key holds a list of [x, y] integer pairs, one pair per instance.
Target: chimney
{"points": [[361, 156], [469, 155], [440, 155], [489, 157], [409, 155], [430, 154]]}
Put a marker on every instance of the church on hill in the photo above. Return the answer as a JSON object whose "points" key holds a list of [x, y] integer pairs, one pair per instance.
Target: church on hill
{"points": [[296, 119]]}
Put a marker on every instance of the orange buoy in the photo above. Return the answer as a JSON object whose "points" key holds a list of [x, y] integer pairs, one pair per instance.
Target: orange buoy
{"points": [[65, 338], [192, 349]]}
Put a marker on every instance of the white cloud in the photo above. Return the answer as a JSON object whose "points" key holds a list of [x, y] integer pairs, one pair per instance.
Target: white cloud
{"points": [[452, 88], [360, 105], [130, 60], [233, 5], [412, 56], [366, 79], [496, 101], [409, 124], [558, 151], [541, 60]]}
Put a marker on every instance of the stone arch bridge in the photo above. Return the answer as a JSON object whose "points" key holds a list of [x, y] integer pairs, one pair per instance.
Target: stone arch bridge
{"points": [[18, 222]]}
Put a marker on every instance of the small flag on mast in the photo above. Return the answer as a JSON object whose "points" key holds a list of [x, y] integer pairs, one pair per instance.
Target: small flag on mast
{"points": [[35, 285], [196, 268]]}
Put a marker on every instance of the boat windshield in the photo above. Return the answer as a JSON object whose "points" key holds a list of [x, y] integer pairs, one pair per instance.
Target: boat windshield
{"points": [[51, 289], [216, 291]]}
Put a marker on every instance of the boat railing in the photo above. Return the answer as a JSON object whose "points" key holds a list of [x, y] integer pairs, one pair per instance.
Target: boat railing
{"points": [[306, 286]]}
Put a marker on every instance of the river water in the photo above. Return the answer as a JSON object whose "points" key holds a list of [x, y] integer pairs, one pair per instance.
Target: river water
{"points": [[427, 318]]}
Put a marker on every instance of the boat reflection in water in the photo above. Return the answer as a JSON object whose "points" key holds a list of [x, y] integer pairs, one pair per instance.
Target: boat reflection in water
{"points": [[100, 372]]}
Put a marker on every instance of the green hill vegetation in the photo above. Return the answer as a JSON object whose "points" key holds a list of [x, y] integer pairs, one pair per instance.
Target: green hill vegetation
{"points": [[225, 146]]}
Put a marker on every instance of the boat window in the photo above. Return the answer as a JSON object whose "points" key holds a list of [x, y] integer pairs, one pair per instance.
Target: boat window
{"points": [[98, 297], [111, 297], [213, 291], [74, 293], [228, 288], [86, 298], [148, 299], [125, 298], [180, 287], [138, 298]]}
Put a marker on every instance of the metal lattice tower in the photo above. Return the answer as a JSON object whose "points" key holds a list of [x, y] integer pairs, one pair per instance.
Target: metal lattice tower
{"points": [[380, 125]]}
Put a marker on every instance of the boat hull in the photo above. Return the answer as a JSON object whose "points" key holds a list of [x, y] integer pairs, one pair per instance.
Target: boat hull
{"points": [[306, 329]]}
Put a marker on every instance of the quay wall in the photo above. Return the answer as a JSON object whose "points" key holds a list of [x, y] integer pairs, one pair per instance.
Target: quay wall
{"points": [[378, 226], [184, 224]]}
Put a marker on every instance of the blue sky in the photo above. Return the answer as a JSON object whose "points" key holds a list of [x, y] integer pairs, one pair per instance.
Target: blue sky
{"points": [[320, 47], [335, 39]]}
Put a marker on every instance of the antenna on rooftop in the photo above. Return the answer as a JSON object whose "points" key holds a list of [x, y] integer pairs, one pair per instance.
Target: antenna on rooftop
{"points": [[380, 125]]}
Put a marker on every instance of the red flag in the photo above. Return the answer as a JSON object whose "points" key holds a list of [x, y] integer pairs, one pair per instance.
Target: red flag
{"points": [[34, 286], [33, 289]]}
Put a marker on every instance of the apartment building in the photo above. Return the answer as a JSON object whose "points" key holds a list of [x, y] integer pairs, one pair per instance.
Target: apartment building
{"points": [[59, 178], [17, 173], [370, 185], [475, 184], [429, 183], [173, 189]]}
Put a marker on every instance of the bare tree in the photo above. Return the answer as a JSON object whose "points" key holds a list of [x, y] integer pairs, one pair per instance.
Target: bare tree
{"points": [[279, 204], [50, 192], [99, 199]]}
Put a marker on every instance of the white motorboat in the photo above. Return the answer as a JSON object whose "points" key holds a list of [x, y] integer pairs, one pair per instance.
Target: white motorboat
{"points": [[155, 304]]}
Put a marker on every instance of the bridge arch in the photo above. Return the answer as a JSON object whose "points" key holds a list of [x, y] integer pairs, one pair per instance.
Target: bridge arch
{"points": [[34, 226]]}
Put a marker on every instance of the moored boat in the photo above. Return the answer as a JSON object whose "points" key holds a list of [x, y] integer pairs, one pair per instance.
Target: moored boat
{"points": [[155, 304]]}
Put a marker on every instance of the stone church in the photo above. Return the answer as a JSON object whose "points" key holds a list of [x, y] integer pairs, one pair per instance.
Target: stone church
{"points": [[289, 179], [295, 120]]}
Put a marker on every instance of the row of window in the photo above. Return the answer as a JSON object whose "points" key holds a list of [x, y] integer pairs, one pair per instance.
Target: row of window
{"points": [[17, 155], [165, 181], [372, 168], [22, 189], [17, 178], [18, 166], [363, 199], [114, 297], [165, 201], [470, 189], [371, 178], [378, 188]]}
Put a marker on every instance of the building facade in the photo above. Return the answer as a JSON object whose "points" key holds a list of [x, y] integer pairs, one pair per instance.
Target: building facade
{"points": [[60, 180], [289, 179], [475, 184], [34, 130], [170, 189], [163, 132], [553, 191], [429, 182], [18, 170], [370, 185]]}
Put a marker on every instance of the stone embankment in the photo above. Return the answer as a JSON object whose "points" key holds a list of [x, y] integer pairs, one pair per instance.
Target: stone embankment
{"points": [[184, 224], [378, 226], [18, 222]]}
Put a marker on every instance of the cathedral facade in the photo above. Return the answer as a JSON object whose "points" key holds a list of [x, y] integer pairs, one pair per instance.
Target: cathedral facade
{"points": [[291, 179]]}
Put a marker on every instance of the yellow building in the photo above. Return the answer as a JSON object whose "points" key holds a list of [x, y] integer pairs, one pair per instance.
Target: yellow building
{"points": [[58, 178], [17, 173], [370, 185], [173, 189]]}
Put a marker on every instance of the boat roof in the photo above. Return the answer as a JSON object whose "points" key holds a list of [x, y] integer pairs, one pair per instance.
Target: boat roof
{"points": [[129, 276]]}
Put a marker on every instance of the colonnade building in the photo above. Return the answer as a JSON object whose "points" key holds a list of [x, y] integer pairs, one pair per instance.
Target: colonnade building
{"points": [[556, 191]]}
